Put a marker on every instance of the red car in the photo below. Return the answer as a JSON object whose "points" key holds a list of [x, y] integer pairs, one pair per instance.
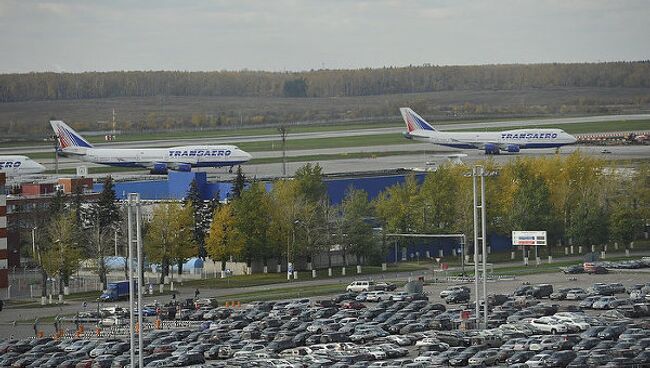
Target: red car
{"points": [[352, 304]]}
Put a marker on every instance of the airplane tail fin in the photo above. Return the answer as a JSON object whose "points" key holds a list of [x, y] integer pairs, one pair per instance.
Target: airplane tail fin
{"points": [[67, 137], [414, 121]]}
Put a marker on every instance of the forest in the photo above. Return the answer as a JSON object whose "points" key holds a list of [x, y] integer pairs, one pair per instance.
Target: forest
{"points": [[147, 101], [320, 83]]}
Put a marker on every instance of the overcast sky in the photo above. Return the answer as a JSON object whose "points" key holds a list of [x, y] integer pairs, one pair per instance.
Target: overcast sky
{"points": [[94, 35]]}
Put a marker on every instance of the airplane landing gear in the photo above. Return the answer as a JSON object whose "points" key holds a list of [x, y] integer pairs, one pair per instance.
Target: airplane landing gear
{"points": [[230, 170]]}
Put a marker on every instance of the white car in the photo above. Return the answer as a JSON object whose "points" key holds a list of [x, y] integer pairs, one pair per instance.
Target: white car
{"points": [[379, 364], [453, 289], [427, 341], [399, 296], [484, 358], [377, 296], [399, 340], [576, 294], [538, 360], [548, 325], [604, 302], [360, 286], [573, 322]]}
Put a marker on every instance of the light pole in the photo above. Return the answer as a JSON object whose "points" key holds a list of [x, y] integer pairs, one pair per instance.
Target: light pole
{"points": [[134, 210], [293, 241], [479, 171], [34, 240]]}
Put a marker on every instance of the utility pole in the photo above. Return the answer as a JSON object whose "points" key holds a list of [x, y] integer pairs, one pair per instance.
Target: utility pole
{"points": [[284, 131]]}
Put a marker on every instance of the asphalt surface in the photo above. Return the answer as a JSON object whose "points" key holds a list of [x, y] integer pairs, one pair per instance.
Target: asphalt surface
{"points": [[559, 280], [336, 134]]}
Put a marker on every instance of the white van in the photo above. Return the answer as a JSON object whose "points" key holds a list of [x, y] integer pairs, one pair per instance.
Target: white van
{"points": [[361, 286]]}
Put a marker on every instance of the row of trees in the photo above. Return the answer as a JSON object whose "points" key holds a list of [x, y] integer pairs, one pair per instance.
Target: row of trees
{"points": [[576, 199], [69, 230], [320, 83]]}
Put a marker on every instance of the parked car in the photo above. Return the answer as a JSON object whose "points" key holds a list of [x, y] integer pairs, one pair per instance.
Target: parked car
{"points": [[453, 289], [457, 297], [360, 286]]}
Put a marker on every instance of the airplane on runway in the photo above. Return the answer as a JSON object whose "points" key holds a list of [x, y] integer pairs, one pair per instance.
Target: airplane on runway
{"points": [[491, 142], [158, 160], [20, 165]]}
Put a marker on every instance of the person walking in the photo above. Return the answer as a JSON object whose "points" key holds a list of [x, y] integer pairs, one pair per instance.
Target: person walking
{"points": [[196, 293]]}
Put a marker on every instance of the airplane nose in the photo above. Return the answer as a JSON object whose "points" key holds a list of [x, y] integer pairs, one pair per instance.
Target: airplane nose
{"points": [[40, 167], [247, 155]]}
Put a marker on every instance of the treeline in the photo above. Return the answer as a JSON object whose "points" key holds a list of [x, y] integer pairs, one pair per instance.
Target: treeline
{"points": [[576, 199], [320, 83]]}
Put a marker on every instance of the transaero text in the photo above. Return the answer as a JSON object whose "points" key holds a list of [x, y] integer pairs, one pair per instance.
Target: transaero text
{"points": [[197, 153], [528, 135]]}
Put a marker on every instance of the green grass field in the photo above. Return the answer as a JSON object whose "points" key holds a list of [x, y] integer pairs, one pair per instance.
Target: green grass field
{"points": [[275, 278], [363, 141]]}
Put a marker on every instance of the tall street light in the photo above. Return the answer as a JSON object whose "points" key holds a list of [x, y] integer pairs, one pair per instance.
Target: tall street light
{"points": [[479, 171]]}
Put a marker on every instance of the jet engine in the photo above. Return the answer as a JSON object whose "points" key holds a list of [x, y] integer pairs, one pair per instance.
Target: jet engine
{"points": [[183, 167], [512, 148], [159, 169], [491, 149]]}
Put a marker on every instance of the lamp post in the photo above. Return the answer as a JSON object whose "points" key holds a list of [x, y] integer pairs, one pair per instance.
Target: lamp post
{"points": [[34, 240], [479, 171], [293, 242]]}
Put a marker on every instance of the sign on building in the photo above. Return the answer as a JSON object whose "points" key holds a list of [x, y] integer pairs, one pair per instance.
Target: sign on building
{"points": [[529, 238]]}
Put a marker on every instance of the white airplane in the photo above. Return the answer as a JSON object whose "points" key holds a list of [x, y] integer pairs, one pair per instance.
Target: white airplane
{"points": [[19, 166], [158, 160], [491, 142]]}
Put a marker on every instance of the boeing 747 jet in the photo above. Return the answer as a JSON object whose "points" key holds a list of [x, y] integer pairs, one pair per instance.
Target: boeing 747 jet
{"points": [[158, 160], [491, 142]]}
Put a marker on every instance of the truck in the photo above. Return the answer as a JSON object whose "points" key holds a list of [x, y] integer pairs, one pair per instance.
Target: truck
{"points": [[116, 291]]}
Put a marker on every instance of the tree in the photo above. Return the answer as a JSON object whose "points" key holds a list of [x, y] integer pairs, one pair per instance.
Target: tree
{"points": [[356, 233], [238, 184], [295, 88], [284, 207], [588, 222], [169, 239], [57, 205], [63, 255], [625, 224], [200, 216], [224, 239], [438, 212], [105, 216], [252, 218], [106, 209], [309, 182], [531, 207]]}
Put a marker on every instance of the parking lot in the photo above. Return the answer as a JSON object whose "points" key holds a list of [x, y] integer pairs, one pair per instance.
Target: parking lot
{"points": [[394, 329]]}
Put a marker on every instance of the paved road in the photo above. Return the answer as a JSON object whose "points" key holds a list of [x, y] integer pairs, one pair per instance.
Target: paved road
{"points": [[16, 314], [421, 158], [340, 133]]}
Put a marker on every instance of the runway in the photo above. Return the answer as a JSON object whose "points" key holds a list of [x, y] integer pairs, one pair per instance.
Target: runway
{"points": [[336, 133], [425, 156]]}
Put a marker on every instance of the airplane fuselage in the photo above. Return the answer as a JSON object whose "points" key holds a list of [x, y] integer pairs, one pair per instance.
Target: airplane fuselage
{"points": [[522, 138], [19, 165], [196, 156]]}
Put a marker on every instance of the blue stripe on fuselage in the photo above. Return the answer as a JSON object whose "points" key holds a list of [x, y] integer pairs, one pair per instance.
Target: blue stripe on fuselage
{"points": [[200, 164], [527, 145]]}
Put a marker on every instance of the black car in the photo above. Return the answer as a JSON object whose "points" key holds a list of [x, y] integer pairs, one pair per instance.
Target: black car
{"points": [[611, 332], [457, 297], [520, 357], [574, 269], [560, 359]]}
